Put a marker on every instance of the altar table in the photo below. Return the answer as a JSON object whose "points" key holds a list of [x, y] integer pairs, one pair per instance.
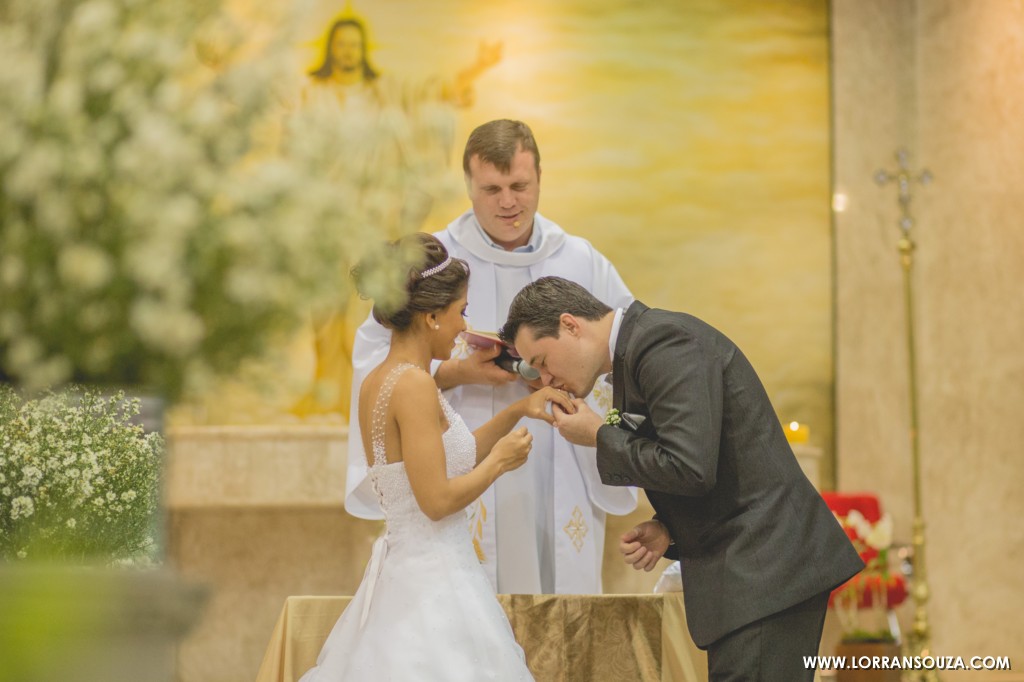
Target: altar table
{"points": [[567, 638]]}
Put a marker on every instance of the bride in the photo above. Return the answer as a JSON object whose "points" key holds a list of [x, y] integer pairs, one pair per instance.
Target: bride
{"points": [[425, 609]]}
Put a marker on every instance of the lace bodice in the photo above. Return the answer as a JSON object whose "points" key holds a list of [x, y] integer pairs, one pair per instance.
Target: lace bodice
{"points": [[390, 480]]}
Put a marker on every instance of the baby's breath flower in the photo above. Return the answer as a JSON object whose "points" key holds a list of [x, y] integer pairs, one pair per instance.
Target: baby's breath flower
{"points": [[85, 266], [22, 507], [31, 475], [64, 490], [145, 211]]}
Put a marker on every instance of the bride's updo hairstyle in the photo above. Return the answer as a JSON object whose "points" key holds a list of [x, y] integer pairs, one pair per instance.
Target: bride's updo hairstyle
{"points": [[412, 275]]}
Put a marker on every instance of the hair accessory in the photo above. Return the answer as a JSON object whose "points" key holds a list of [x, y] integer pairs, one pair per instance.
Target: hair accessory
{"points": [[437, 268]]}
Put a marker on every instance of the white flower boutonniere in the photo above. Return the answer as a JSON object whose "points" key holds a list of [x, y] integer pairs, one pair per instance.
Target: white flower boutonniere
{"points": [[612, 417]]}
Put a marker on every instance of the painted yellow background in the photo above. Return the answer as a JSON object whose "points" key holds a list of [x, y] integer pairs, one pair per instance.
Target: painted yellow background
{"points": [[689, 141]]}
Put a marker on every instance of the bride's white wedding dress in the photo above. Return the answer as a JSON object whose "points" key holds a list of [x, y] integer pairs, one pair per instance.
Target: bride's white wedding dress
{"points": [[425, 609]]}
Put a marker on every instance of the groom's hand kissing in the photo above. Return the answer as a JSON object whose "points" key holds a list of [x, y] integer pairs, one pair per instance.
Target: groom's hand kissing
{"points": [[579, 428]]}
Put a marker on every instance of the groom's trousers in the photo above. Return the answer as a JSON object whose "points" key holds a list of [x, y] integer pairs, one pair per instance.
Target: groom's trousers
{"points": [[771, 649]]}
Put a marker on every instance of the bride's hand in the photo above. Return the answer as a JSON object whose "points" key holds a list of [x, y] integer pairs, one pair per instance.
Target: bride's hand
{"points": [[535, 405], [512, 449]]}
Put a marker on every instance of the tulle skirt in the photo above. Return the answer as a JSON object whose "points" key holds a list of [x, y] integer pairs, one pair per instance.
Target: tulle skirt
{"points": [[424, 611]]}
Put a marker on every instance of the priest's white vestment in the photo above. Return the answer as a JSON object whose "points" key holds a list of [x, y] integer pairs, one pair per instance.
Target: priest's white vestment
{"points": [[538, 529]]}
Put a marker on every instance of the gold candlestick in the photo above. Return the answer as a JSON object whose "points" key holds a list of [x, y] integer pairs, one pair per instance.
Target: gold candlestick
{"points": [[919, 639]]}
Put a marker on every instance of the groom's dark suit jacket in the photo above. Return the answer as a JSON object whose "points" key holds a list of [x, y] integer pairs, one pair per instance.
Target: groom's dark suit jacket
{"points": [[752, 534]]}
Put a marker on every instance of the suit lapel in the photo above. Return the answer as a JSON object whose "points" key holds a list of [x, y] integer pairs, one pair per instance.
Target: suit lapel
{"points": [[618, 379], [629, 318]]}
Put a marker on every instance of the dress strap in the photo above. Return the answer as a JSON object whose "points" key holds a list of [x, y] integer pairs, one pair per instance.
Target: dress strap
{"points": [[378, 424], [449, 412]]}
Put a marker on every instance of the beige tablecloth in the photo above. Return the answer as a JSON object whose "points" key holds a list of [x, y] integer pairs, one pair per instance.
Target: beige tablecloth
{"points": [[567, 638]]}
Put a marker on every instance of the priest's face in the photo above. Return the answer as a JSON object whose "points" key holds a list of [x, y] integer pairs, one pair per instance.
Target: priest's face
{"points": [[505, 203], [569, 362]]}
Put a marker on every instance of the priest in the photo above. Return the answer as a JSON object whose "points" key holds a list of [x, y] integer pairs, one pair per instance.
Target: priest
{"points": [[539, 529]]}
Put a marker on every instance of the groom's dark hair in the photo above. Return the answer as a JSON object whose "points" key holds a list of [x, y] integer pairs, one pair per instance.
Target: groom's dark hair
{"points": [[540, 304]]}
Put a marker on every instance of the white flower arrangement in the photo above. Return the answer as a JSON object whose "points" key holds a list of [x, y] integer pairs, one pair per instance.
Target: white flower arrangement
{"points": [[878, 536], [78, 480], [863, 603], [152, 230]]}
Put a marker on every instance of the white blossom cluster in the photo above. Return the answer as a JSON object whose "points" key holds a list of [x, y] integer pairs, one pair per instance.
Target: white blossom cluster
{"points": [[78, 480], [151, 229], [878, 535]]}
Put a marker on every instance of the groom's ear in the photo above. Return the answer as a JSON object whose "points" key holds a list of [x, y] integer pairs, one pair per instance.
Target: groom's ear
{"points": [[569, 324]]}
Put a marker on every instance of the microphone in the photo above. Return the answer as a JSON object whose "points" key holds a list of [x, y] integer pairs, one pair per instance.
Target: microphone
{"points": [[507, 359], [515, 365]]}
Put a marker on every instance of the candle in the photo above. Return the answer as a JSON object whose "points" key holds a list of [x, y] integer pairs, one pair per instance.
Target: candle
{"points": [[797, 432]]}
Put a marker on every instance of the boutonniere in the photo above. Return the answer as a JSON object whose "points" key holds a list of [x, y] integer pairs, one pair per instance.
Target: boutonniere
{"points": [[624, 420]]}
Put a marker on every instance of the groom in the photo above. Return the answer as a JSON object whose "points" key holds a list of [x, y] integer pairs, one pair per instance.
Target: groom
{"points": [[759, 549]]}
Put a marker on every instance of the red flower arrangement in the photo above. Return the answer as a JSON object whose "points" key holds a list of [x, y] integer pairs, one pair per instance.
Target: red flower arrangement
{"points": [[864, 601]]}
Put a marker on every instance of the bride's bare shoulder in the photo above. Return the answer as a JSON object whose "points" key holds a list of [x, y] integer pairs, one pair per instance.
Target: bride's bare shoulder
{"points": [[408, 381], [415, 385]]}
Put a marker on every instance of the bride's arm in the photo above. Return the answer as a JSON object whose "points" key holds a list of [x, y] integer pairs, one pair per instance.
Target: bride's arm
{"points": [[534, 406], [418, 414]]}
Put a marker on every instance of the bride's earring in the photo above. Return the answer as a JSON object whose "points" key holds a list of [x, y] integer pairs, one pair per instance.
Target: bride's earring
{"points": [[437, 326]]}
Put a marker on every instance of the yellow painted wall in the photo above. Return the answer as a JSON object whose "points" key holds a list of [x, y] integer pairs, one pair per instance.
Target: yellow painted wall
{"points": [[689, 141]]}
